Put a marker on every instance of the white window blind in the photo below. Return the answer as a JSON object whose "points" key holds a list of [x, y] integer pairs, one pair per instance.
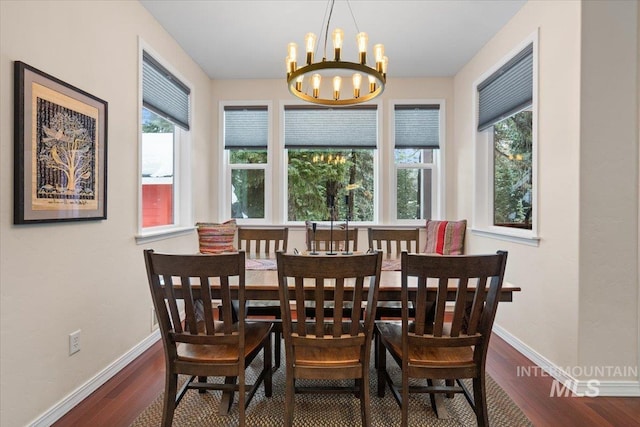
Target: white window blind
{"points": [[321, 127], [507, 91], [246, 127], [417, 126], [163, 93]]}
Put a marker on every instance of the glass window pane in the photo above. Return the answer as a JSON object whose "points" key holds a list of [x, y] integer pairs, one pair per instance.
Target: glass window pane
{"points": [[413, 155], [413, 193], [247, 156], [157, 170], [247, 198], [513, 171], [317, 176]]}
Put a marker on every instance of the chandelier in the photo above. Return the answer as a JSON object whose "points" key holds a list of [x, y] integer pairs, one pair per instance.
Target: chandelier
{"points": [[312, 74]]}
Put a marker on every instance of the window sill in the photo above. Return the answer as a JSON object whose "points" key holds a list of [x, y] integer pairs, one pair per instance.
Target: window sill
{"points": [[166, 233], [510, 235]]}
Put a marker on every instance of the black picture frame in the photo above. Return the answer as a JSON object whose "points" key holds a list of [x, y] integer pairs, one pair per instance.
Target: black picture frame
{"points": [[60, 150]]}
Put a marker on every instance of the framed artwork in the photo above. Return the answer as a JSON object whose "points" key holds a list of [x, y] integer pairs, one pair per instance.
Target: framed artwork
{"points": [[60, 131]]}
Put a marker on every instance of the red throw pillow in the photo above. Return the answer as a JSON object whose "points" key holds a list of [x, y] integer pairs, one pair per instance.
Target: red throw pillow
{"points": [[445, 237]]}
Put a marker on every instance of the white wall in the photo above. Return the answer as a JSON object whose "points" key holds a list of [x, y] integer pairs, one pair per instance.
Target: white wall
{"points": [[57, 278], [571, 310], [608, 192]]}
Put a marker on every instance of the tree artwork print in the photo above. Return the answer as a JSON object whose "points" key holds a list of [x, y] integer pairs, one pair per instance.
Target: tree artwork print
{"points": [[66, 156]]}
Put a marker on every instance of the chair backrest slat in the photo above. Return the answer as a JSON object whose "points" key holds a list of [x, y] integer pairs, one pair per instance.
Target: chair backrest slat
{"points": [[460, 307], [262, 242], [394, 241], [171, 301]]}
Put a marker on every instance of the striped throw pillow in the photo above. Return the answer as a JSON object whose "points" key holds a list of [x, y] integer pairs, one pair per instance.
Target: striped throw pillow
{"points": [[445, 237], [215, 238]]}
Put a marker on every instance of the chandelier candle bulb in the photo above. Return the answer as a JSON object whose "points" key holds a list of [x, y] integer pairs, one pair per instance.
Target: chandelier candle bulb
{"points": [[357, 81], [292, 49], [338, 39], [337, 80], [315, 82], [299, 82], [310, 44], [372, 84], [378, 54], [362, 39]]}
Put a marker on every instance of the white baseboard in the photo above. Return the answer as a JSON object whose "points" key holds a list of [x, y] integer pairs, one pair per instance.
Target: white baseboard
{"points": [[78, 395], [589, 388]]}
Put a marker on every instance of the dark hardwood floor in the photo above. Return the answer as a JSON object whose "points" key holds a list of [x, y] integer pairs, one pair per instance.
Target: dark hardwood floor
{"points": [[120, 400]]}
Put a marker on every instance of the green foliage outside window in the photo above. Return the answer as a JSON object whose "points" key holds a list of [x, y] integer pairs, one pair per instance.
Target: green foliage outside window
{"points": [[315, 175], [248, 184], [513, 171]]}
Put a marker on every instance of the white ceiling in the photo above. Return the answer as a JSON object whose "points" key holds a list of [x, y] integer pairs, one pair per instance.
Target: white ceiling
{"points": [[247, 39]]}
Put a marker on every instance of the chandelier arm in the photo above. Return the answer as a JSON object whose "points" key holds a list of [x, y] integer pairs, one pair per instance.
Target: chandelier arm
{"points": [[326, 31], [353, 17]]}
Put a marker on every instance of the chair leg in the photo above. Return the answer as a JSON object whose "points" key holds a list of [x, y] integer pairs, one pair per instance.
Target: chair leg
{"points": [[170, 391], [227, 397], [277, 347], [365, 399], [480, 401], [382, 366], [450, 383], [289, 399], [267, 368], [376, 344], [242, 396], [202, 380], [404, 406]]}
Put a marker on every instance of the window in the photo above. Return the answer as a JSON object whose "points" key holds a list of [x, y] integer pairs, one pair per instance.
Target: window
{"points": [[512, 171], [164, 150], [416, 156], [330, 159], [506, 147], [246, 140]]}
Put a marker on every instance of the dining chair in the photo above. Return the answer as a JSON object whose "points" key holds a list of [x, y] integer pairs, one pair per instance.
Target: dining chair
{"points": [[197, 345], [392, 242], [445, 347], [328, 348], [324, 237], [262, 244]]}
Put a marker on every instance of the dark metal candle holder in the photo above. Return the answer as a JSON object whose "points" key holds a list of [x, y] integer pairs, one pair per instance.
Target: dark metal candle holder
{"points": [[313, 242], [331, 211], [346, 240]]}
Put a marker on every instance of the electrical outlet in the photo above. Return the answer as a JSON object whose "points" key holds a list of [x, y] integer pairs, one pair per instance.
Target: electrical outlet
{"points": [[74, 342], [154, 319]]}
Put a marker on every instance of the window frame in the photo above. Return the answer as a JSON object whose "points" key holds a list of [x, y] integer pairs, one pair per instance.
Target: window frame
{"points": [[228, 167], [377, 166], [182, 206], [437, 167], [483, 194]]}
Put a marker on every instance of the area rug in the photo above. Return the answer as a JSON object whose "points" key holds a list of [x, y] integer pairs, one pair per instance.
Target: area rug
{"points": [[335, 410]]}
